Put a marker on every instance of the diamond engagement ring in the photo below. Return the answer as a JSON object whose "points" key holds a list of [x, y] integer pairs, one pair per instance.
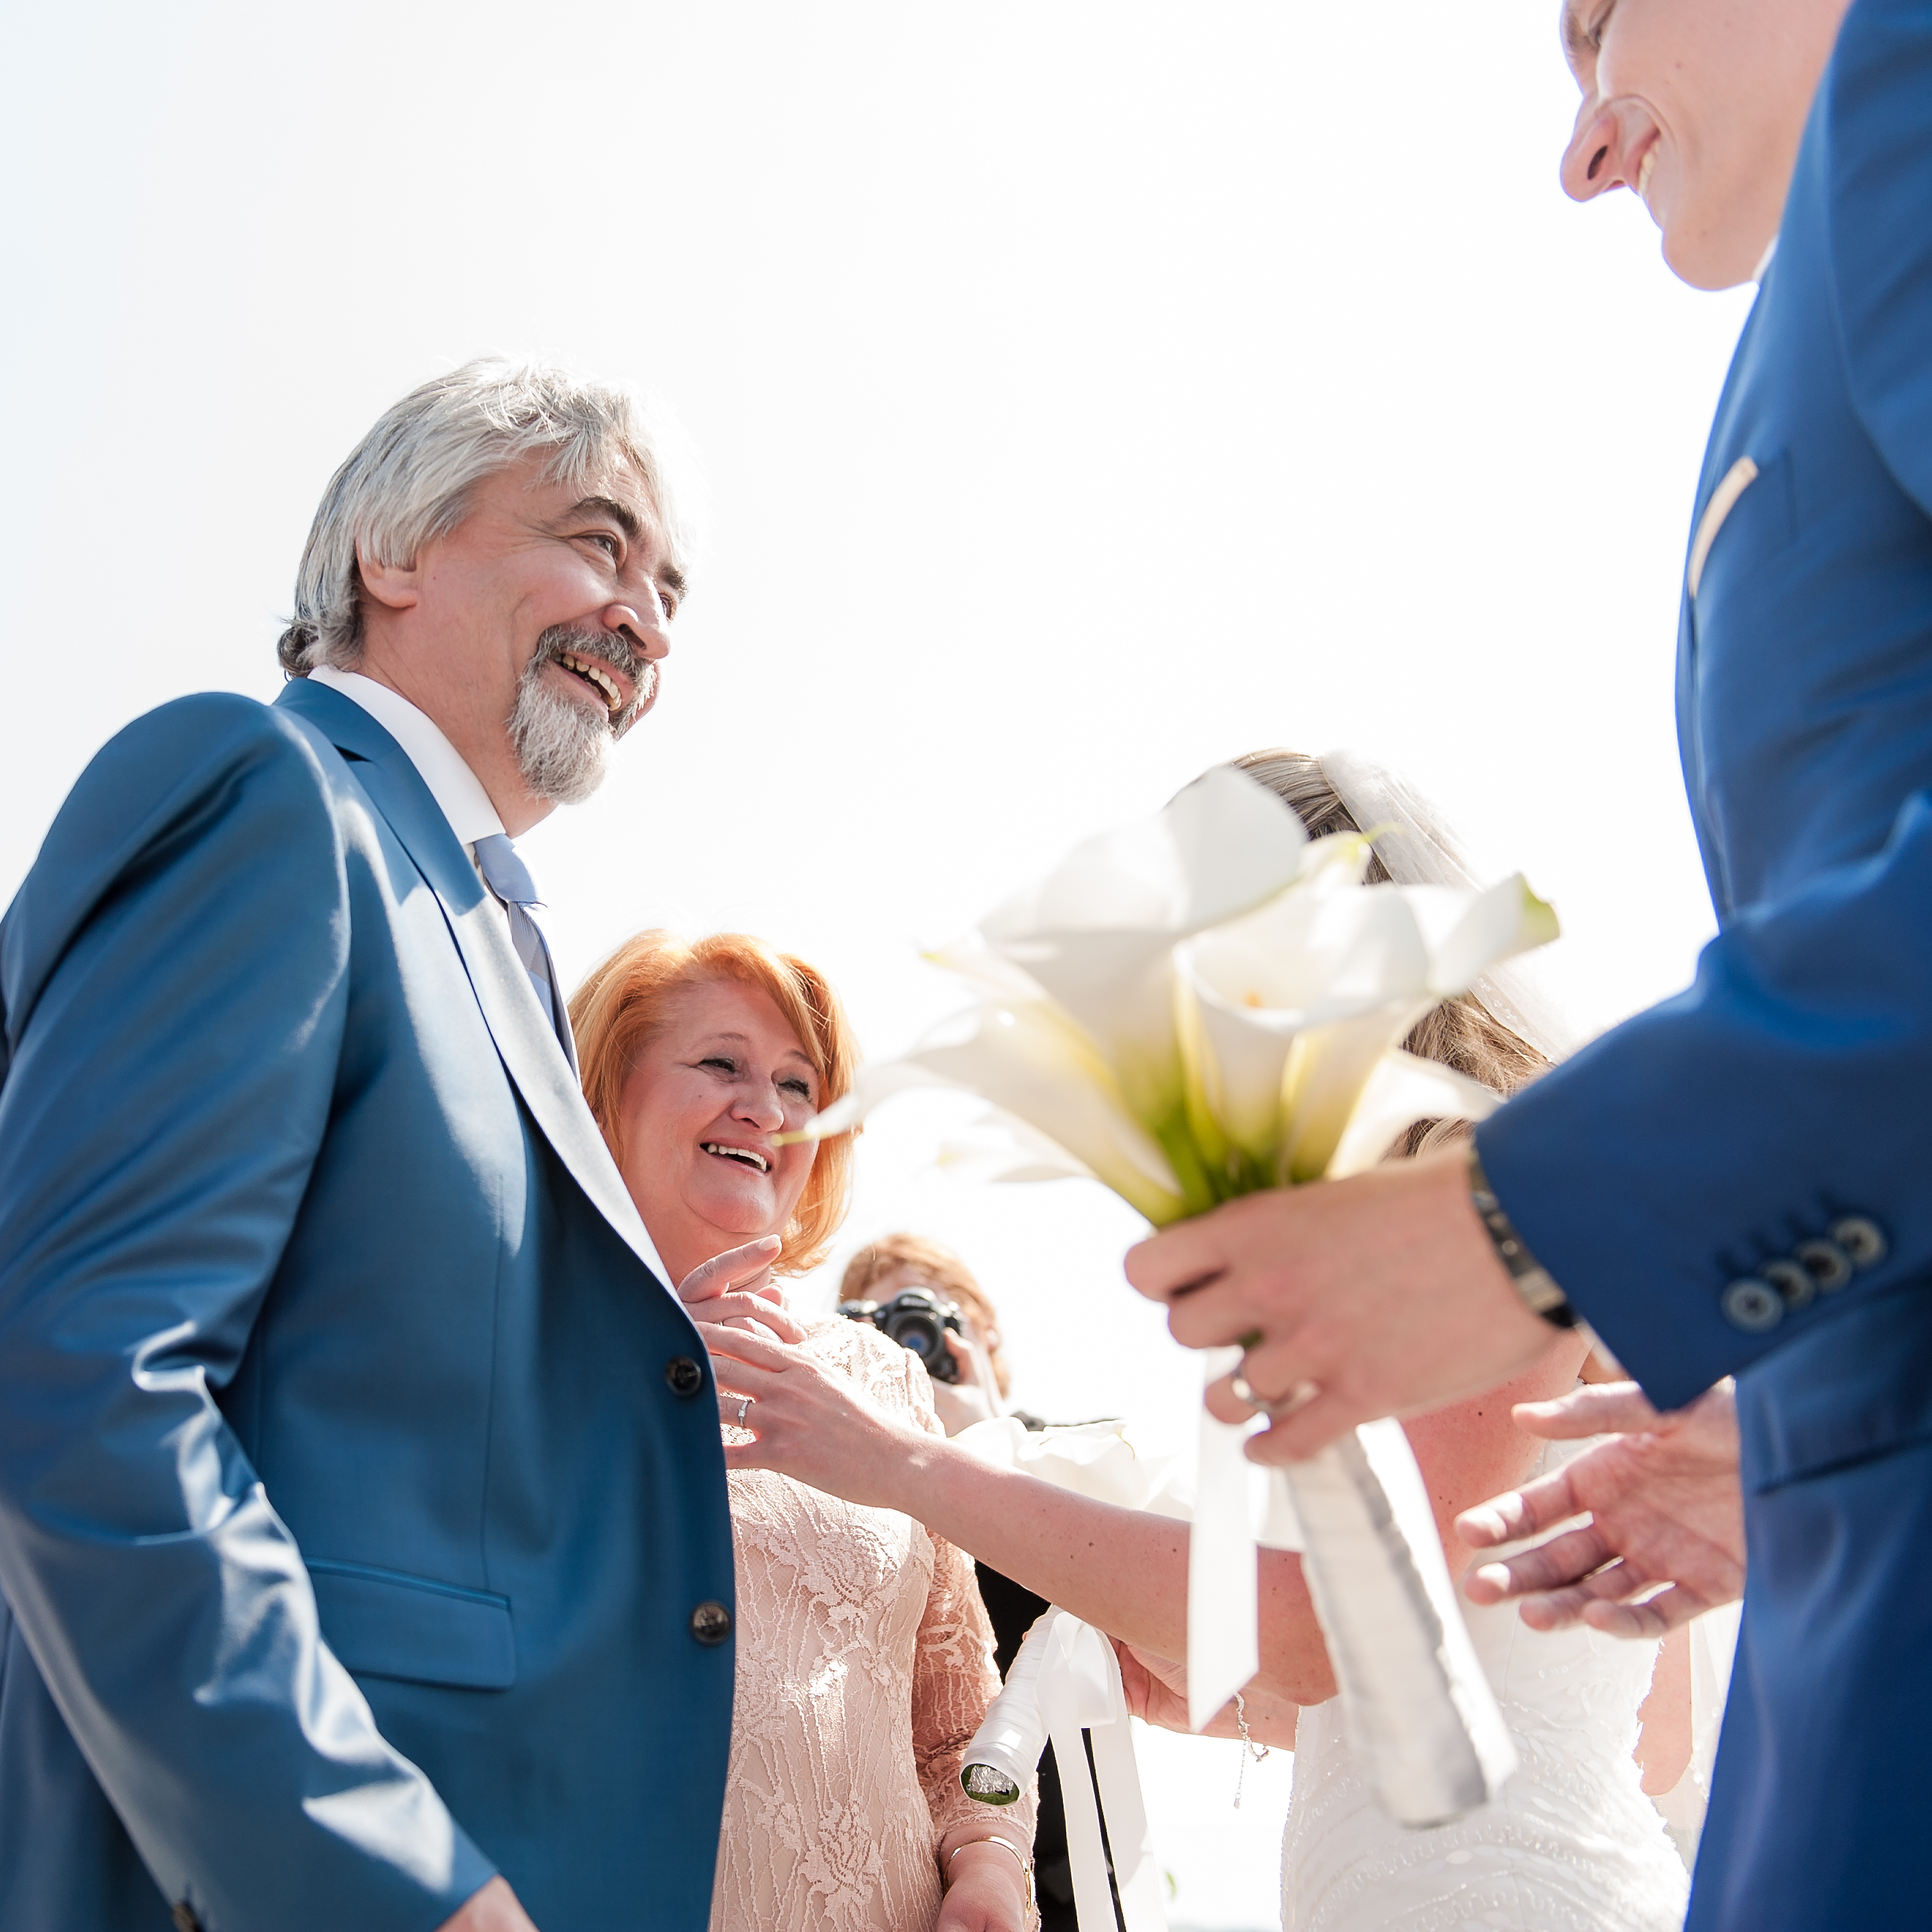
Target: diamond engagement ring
{"points": [[744, 1407], [1282, 1407]]}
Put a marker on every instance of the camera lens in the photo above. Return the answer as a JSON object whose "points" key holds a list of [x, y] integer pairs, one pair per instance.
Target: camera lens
{"points": [[917, 1320], [919, 1330]]}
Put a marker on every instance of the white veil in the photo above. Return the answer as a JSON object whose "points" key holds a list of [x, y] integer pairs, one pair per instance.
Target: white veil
{"points": [[1417, 847]]}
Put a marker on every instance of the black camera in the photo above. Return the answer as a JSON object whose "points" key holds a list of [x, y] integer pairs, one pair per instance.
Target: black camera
{"points": [[917, 1321]]}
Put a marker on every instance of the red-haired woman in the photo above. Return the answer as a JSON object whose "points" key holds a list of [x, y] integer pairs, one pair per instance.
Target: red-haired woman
{"points": [[865, 1657]]}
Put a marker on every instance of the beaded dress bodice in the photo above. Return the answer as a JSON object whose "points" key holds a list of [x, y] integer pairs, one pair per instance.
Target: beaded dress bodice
{"points": [[1572, 1845], [865, 1667]]}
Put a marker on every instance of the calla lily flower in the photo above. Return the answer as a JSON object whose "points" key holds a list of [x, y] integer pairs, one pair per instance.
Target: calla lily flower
{"points": [[1198, 1006]]}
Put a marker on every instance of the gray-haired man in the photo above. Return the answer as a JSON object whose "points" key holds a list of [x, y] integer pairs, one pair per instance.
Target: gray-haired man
{"points": [[364, 1541]]}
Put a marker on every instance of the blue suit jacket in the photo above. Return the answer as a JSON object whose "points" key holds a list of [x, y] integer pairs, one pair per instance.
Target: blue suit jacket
{"points": [[1705, 1143], [353, 1512]]}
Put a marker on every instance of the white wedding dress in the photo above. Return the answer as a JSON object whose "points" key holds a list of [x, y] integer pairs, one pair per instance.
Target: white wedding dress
{"points": [[1572, 1845]]}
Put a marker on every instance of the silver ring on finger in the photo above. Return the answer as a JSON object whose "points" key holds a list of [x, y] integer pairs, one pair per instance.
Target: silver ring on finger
{"points": [[744, 1408], [1276, 1408]]}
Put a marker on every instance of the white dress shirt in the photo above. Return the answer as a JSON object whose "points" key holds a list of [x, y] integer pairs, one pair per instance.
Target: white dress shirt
{"points": [[459, 793], [454, 786]]}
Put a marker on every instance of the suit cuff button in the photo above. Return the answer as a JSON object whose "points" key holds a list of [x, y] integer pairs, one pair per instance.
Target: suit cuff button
{"points": [[1793, 1282], [1753, 1305], [1862, 1239], [1827, 1263]]}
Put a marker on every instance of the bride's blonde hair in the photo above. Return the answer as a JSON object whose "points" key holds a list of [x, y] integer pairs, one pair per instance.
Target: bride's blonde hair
{"points": [[1462, 1033]]}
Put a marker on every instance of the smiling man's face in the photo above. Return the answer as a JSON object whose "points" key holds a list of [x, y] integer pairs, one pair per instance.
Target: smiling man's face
{"points": [[532, 632], [1697, 106]]}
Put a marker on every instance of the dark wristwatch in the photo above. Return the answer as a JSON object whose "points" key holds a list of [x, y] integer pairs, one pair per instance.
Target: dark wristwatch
{"points": [[1531, 1280]]}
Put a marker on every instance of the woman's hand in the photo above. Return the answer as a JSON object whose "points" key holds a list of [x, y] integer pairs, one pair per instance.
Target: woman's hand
{"points": [[808, 1421], [1157, 1692], [986, 1885], [735, 1290]]}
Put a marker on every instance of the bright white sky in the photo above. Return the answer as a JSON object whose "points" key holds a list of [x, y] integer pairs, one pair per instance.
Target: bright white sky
{"points": [[1085, 394]]}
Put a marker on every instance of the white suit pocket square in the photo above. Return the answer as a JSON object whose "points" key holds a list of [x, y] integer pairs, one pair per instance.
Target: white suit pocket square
{"points": [[1740, 475]]}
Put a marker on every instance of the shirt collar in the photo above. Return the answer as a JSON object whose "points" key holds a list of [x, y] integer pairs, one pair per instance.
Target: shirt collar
{"points": [[454, 786], [1764, 261]]}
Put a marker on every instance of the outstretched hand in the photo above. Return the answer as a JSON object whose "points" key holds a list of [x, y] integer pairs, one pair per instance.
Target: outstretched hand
{"points": [[1665, 1507]]}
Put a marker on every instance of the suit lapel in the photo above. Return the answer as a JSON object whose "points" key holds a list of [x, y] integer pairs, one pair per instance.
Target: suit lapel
{"points": [[529, 1049]]}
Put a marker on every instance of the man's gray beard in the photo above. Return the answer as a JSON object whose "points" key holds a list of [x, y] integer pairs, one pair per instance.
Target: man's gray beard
{"points": [[561, 745]]}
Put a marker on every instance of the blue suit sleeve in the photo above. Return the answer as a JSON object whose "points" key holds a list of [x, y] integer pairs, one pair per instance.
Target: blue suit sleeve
{"points": [[1704, 1136], [174, 976], [1878, 125]]}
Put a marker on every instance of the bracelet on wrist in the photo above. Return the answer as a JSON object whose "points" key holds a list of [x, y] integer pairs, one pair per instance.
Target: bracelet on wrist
{"points": [[1018, 1857], [1535, 1287]]}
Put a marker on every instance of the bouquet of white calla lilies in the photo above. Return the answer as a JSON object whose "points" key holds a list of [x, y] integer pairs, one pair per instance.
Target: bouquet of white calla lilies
{"points": [[1201, 1006]]}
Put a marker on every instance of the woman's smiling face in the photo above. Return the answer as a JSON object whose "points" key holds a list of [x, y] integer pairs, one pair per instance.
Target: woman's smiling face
{"points": [[710, 1090]]}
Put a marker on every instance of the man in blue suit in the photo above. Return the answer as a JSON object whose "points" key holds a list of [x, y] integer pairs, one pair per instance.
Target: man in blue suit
{"points": [[1734, 1183], [364, 1541]]}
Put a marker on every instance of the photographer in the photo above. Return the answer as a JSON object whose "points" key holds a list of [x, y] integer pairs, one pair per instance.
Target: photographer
{"points": [[912, 1286], [925, 1297]]}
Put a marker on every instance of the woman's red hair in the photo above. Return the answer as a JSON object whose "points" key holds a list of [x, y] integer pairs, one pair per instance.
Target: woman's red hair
{"points": [[621, 1004]]}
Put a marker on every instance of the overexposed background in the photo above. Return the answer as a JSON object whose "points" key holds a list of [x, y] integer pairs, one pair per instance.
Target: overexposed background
{"points": [[1085, 393]]}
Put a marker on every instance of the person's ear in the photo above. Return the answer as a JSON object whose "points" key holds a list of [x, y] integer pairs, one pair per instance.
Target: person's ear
{"points": [[396, 585]]}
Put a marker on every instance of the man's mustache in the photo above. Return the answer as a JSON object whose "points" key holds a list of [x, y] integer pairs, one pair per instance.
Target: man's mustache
{"points": [[607, 647]]}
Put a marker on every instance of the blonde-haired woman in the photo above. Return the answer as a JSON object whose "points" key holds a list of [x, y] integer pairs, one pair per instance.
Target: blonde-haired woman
{"points": [[864, 1654]]}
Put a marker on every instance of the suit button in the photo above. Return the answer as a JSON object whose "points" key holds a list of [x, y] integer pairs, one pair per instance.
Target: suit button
{"points": [[711, 1623], [1863, 1239], [1829, 1265], [1793, 1282], [1753, 1305], [685, 1377]]}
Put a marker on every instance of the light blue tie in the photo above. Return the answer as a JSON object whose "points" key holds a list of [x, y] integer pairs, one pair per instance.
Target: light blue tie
{"points": [[509, 878]]}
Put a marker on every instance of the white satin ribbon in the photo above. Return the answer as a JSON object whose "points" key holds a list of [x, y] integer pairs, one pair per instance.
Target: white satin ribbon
{"points": [[1223, 1632], [1422, 1720], [1066, 1680]]}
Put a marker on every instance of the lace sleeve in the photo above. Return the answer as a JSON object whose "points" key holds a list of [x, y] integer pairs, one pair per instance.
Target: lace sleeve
{"points": [[955, 1679]]}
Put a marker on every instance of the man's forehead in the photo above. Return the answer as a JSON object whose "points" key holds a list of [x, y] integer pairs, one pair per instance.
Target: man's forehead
{"points": [[614, 488], [616, 482]]}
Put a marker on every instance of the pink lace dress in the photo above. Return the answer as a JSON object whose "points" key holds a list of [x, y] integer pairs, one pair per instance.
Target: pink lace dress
{"points": [[865, 1667]]}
